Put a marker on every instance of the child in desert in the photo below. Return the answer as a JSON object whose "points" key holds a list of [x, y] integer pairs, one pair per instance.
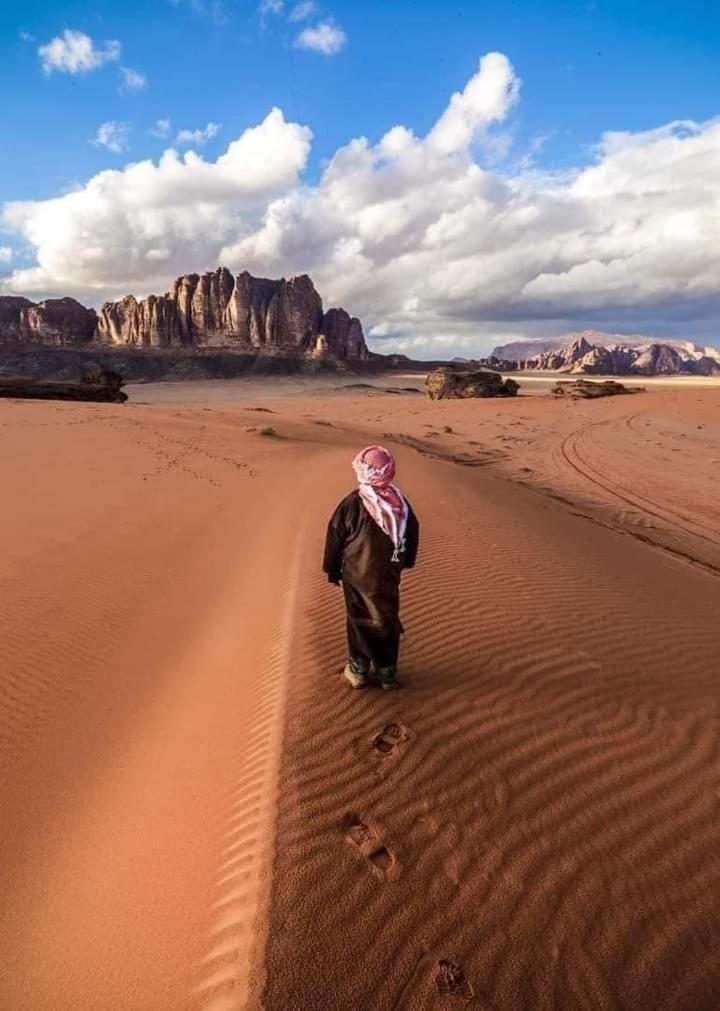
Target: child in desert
{"points": [[373, 535]]}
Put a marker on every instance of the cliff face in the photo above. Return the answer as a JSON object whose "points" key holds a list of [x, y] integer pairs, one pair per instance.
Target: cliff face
{"points": [[219, 310], [56, 321], [208, 310]]}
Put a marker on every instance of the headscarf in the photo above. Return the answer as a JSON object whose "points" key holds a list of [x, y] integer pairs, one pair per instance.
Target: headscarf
{"points": [[375, 469]]}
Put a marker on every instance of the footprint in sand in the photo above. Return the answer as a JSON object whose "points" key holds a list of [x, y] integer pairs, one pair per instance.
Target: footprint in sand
{"points": [[451, 981], [370, 846], [390, 739]]}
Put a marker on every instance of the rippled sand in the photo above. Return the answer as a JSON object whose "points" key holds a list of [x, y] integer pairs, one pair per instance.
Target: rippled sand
{"points": [[198, 813]]}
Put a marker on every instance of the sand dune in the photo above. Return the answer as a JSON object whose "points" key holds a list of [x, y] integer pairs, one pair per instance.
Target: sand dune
{"points": [[198, 814]]}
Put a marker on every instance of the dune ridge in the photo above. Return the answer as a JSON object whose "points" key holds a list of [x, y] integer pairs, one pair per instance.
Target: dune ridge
{"points": [[542, 797]]}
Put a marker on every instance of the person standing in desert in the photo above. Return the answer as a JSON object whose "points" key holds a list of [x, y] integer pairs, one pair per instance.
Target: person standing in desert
{"points": [[372, 536]]}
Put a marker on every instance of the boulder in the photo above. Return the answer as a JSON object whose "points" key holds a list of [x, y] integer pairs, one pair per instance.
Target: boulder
{"points": [[585, 389], [103, 377], [458, 384]]}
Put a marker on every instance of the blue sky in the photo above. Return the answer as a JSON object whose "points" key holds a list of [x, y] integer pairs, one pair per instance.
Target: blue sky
{"points": [[586, 68]]}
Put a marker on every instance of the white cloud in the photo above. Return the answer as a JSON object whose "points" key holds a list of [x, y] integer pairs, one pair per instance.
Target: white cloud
{"points": [[436, 252], [132, 80], [326, 38], [27, 37], [113, 136], [198, 137], [76, 53], [161, 128], [303, 10], [6, 254], [138, 227]]}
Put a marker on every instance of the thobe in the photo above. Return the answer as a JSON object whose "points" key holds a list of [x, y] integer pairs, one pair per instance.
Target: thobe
{"points": [[360, 553]]}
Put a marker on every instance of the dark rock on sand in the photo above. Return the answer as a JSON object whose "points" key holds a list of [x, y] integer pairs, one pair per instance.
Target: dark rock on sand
{"points": [[585, 389], [457, 384], [106, 390]]}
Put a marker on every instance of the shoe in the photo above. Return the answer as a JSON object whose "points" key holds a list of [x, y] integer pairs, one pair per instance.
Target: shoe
{"points": [[388, 679], [356, 680]]}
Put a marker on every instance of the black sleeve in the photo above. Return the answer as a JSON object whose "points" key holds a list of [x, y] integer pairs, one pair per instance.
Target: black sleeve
{"points": [[412, 541], [335, 544]]}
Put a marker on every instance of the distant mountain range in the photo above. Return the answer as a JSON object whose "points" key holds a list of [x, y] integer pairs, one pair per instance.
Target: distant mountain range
{"points": [[594, 352]]}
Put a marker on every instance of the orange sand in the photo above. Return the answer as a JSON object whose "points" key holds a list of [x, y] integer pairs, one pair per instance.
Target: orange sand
{"points": [[197, 814]]}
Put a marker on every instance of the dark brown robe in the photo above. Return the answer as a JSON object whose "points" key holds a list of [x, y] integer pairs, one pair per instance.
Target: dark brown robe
{"points": [[359, 552]]}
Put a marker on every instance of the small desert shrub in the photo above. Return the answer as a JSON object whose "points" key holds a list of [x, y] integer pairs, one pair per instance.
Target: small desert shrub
{"points": [[266, 430], [447, 430]]}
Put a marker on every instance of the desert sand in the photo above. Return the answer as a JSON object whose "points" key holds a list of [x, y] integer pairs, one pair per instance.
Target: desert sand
{"points": [[197, 813]]}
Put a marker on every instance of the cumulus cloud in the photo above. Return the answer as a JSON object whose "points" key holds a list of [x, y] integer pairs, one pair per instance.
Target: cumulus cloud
{"points": [[437, 251], [136, 228], [198, 137], [113, 136], [132, 80], [326, 38], [6, 254], [161, 128], [76, 53]]}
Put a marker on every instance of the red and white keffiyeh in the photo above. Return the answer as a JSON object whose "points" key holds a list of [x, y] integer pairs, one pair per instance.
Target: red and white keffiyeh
{"points": [[375, 469]]}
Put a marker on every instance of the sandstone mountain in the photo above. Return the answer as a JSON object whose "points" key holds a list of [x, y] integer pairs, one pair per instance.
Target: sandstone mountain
{"points": [[56, 321], [213, 310], [547, 349], [647, 358]]}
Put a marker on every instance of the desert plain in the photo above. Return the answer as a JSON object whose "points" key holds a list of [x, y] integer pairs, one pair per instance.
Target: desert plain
{"points": [[198, 814]]}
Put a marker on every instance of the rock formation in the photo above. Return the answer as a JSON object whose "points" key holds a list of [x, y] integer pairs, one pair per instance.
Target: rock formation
{"points": [[219, 310], [448, 383], [215, 310], [56, 321], [654, 358], [608, 354], [521, 350], [560, 358], [585, 389], [103, 391]]}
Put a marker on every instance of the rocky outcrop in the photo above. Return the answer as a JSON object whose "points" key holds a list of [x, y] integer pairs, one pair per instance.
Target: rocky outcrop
{"points": [[246, 312], [107, 392], [11, 309], [615, 361], [214, 310], [653, 359], [560, 358], [659, 360], [585, 389], [449, 383], [521, 350], [56, 321], [636, 357]]}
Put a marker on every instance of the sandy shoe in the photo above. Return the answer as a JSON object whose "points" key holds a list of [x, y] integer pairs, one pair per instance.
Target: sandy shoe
{"points": [[387, 679], [356, 679]]}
